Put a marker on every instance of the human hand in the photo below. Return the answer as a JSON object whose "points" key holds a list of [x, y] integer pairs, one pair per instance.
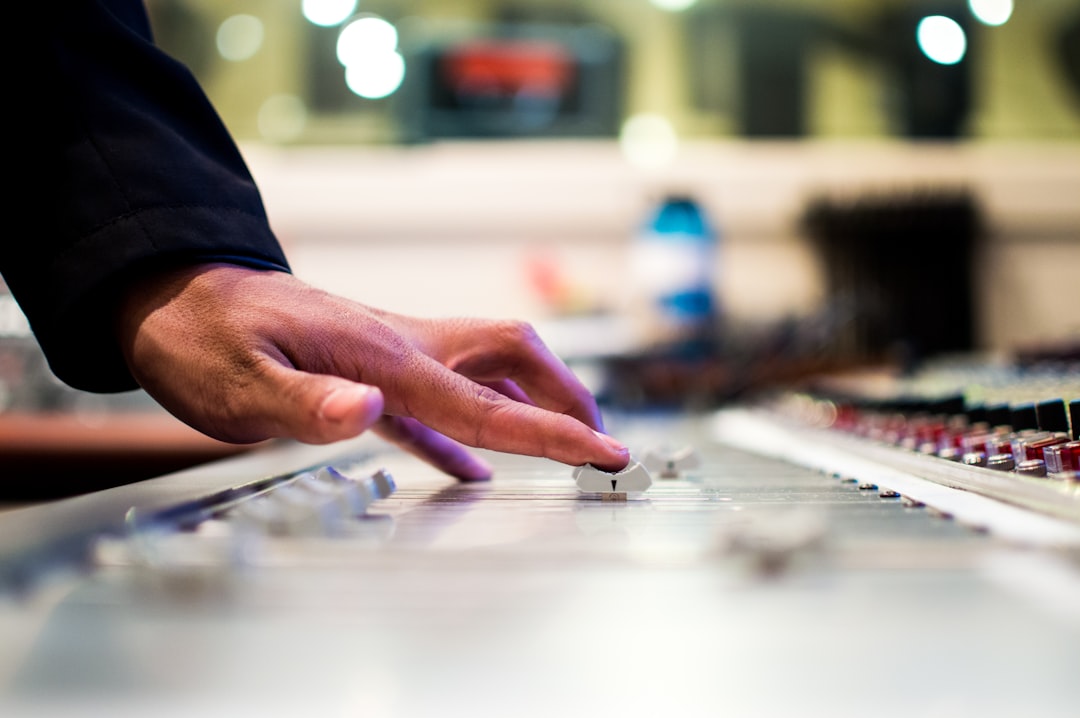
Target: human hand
{"points": [[244, 355]]}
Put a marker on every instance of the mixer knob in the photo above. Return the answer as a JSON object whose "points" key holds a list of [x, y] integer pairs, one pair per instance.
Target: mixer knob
{"points": [[1024, 417], [975, 458], [1051, 415], [670, 462], [1031, 467], [634, 478]]}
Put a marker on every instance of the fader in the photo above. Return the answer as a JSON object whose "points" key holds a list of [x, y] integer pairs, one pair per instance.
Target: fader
{"points": [[612, 486]]}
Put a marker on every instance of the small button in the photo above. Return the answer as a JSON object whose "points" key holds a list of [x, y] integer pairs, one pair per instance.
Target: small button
{"points": [[1037, 449], [259, 515], [1024, 417], [670, 462], [951, 453], [352, 499], [1031, 467], [998, 415], [976, 413], [975, 458], [1062, 458], [1001, 462], [384, 482], [1051, 415], [305, 513]]}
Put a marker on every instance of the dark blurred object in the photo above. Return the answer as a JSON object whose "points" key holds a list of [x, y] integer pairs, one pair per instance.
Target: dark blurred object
{"points": [[1068, 47], [772, 87], [903, 266], [52, 455], [928, 99], [755, 62], [1064, 352], [514, 80], [56, 441], [739, 362]]}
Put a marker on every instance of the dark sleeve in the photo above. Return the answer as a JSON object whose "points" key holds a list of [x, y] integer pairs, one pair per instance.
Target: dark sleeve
{"points": [[123, 168]]}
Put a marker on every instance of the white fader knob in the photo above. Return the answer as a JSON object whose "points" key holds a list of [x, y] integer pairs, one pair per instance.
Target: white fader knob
{"points": [[671, 462], [633, 479]]}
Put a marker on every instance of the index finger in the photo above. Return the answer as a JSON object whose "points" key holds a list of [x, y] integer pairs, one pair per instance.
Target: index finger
{"points": [[479, 416], [514, 351]]}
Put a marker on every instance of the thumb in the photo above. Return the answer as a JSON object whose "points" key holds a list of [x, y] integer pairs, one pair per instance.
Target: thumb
{"points": [[320, 409]]}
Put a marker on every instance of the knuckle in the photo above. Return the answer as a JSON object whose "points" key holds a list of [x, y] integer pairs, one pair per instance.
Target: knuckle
{"points": [[518, 332], [489, 399], [493, 411], [506, 425]]}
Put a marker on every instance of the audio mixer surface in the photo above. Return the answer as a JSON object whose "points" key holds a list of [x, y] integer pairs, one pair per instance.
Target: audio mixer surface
{"points": [[766, 578]]}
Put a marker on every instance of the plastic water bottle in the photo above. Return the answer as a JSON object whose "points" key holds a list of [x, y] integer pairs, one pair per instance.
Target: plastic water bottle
{"points": [[672, 267]]}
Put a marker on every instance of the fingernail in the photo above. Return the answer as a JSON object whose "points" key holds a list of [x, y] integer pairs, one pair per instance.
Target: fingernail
{"points": [[340, 402], [613, 443]]}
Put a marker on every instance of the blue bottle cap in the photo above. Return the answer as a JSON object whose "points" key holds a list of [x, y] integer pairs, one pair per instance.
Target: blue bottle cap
{"points": [[680, 215]]}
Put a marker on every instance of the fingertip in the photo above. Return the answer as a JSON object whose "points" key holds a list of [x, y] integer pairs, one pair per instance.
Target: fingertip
{"points": [[473, 468], [458, 461], [616, 454], [614, 465]]}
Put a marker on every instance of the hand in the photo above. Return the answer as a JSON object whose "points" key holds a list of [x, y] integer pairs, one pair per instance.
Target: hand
{"points": [[244, 355]]}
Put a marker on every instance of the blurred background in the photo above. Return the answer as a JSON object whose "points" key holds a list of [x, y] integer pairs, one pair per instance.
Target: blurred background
{"points": [[689, 199], [501, 156]]}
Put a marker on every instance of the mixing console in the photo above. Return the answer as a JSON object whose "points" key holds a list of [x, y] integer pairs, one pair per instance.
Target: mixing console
{"points": [[768, 568], [1011, 432]]}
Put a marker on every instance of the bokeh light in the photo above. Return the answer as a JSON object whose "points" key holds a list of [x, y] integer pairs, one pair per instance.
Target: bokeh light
{"points": [[376, 77], [941, 39], [991, 12], [673, 5], [327, 13], [240, 37], [364, 38], [367, 47]]}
